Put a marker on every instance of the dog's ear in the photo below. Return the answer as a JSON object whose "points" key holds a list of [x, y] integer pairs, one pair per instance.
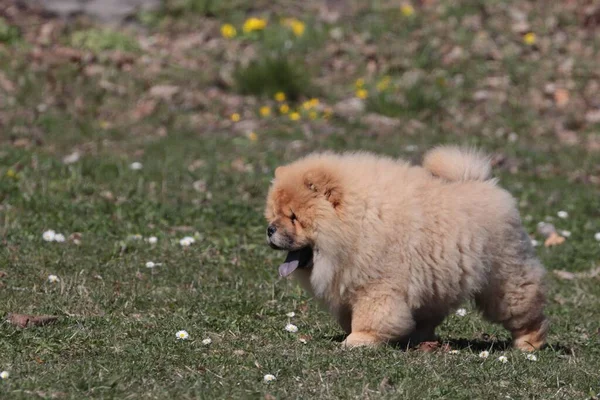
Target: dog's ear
{"points": [[322, 182]]}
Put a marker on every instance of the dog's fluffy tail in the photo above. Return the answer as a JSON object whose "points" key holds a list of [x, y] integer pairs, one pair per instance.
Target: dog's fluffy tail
{"points": [[458, 164]]}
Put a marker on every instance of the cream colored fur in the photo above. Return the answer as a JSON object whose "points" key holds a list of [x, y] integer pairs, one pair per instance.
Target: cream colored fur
{"points": [[398, 247]]}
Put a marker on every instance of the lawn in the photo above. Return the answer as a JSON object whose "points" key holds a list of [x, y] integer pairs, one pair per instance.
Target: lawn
{"points": [[171, 127]]}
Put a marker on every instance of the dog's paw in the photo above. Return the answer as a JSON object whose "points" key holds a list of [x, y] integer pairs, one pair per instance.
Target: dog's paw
{"points": [[360, 339]]}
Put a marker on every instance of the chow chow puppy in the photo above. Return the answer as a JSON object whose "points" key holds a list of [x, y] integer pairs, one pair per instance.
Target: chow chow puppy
{"points": [[391, 248]]}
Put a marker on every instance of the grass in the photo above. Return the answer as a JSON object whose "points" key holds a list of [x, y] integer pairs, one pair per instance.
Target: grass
{"points": [[206, 176]]}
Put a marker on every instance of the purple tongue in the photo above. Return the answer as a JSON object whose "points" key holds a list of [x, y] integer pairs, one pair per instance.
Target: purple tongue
{"points": [[290, 264]]}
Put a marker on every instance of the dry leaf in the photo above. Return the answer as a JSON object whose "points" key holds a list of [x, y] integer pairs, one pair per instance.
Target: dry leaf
{"points": [[554, 240], [566, 275], [428, 347], [561, 97], [27, 321]]}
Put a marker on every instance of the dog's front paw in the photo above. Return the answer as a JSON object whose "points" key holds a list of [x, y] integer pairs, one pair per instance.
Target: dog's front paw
{"points": [[361, 339]]}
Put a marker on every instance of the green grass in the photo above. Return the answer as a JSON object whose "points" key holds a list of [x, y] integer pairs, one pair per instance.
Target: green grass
{"points": [[207, 177]]}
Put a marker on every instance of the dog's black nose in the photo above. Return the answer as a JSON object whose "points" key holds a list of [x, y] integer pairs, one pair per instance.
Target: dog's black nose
{"points": [[271, 230]]}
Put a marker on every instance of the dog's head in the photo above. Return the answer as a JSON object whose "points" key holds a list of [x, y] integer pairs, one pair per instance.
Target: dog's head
{"points": [[301, 199]]}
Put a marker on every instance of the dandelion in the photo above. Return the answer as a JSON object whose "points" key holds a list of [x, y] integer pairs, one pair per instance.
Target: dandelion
{"points": [[265, 111], [4, 375], [228, 31], [529, 38], [252, 136], [597, 236], [383, 84], [306, 105], [461, 312], [407, 10], [207, 341], [136, 166], [49, 235], [484, 354], [503, 359], [362, 94], [531, 357], [314, 102], [254, 24], [280, 96], [313, 115], [291, 328], [454, 352], [235, 117], [360, 83], [565, 234], [562, 214], [284, 109], [295, 25], [53, 279], [11, 173], [295, 116], [187, 241], [59, 237], [269, 378], [182, 335], [291, 314], [152, 240]]}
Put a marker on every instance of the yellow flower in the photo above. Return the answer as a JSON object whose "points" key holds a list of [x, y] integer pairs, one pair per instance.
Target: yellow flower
{"points": [[280, 96], [296, 25], [235, 117], [362, 94], [306, 105], [284, 109], [360, 82], [407, 10], [529, 38], [253, 136], [327, 113], [254, 24], [294, 116], [314, 102], [228, 31], [383, 84], [313, 115], [265, 111], [11, 173]]}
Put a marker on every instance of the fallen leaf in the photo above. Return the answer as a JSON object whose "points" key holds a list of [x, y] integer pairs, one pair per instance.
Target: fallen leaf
{"points": [[428, 347], [27, 321], [566, 275], [554, 240]]}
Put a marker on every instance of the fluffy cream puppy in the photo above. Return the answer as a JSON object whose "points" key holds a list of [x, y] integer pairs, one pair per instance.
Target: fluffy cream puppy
{"points": [[391, 248]]}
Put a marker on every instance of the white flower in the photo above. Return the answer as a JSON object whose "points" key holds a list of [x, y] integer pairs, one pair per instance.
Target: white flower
{"points": [[151, 264], [136, 166], [303, 341], [291, 314], [187, 241], [152, 240], [269, 378], [531, 357], [183, 335], [137, 236], [49, 236], [461, 312], [565, 233], [4, 375], [291, 328], [535, 243], [53, 279], [207, 341], [484, 354], [59, 237], [562, 214], [503, 359], [454, 352], [597, 236]]}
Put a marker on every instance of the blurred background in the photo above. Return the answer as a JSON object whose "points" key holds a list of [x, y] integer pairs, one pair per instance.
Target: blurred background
{"points": [[138, 139]]}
